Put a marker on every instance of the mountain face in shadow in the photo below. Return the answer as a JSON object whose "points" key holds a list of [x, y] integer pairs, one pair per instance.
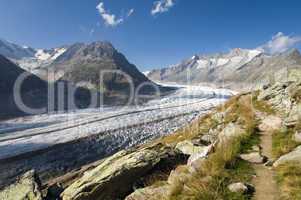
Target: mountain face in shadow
{"points": [[34, 92]]}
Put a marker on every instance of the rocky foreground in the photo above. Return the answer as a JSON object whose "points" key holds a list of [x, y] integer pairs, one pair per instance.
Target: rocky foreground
{"points": [[219, 156]]}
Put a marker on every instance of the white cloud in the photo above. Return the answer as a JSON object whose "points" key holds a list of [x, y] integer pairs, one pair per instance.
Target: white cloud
{"points": [[130, 12], [111, 19], [162, 6], [280, 43]]}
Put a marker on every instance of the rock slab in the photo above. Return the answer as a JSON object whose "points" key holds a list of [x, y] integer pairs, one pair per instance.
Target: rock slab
{"points": [[114, 178], [26, 188]]}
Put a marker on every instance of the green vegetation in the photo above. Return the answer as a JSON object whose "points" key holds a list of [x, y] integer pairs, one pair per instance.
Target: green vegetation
{"points": [[210, 177], [195, 129], [283, 142], [261, 106], [289, 174]]}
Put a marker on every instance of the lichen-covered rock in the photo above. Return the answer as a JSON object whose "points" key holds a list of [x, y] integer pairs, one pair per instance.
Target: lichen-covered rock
{"points": [[188, 148], [26, 188], [282, 96], [294, 156], [114, 178], [200, 155], [271, 92], [148, 193]]}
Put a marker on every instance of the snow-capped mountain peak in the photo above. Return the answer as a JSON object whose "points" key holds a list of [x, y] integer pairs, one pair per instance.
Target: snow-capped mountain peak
{"points": [[29, 58], [207, 67], [49, 55], [236, 57]]}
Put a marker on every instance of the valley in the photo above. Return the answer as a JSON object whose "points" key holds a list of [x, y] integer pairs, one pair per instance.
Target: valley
{"points": [[85, 136]]}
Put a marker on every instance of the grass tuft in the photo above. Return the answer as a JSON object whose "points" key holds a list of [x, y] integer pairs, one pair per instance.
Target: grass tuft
{"points": [[289, 178], [283, 142]]}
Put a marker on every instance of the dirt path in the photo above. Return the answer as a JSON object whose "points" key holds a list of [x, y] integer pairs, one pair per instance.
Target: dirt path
{"points": [[264, 182]]}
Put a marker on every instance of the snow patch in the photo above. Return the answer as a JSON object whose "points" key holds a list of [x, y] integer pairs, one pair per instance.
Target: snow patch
{"points": [[58, 52], [146, 73], [222, 61], [202, 64], [42, 55]]}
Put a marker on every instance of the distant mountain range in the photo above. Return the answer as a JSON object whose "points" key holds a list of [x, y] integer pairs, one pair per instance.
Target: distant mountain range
{"points": [[78, 65], [239, 68]]}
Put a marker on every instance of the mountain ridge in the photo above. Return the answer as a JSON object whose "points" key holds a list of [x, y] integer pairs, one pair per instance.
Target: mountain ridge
{"points": [[229, 69], [80, 64]]}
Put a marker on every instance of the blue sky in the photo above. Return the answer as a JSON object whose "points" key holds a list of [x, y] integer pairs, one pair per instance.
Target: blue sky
{"points": [[171, 33]]}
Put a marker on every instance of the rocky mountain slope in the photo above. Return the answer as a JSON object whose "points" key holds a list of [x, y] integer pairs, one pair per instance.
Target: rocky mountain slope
{"points": [[78, 63], [29, 58], [14, 51], [82, 64], [33, 91], [247, 68], [234, 152]]}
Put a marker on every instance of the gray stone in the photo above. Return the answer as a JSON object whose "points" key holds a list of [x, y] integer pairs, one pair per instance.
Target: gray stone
{"points": [[200, 155], [26, 188], [148, 193], [294, 156], [115, 177], [188, 148], [270, 123], [241, 188], [253, 157], [294, 115], [230, 131]]}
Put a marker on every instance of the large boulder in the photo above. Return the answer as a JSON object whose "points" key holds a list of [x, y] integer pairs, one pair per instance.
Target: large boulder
{"points": [[271, 92], [278, 96], [270, 123], [115, 177], [26, 188], [294, 157]]}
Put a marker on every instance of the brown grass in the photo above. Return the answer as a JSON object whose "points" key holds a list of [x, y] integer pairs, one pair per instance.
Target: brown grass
{"points": [[289, 178], [283, 142], [211, 177]]}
